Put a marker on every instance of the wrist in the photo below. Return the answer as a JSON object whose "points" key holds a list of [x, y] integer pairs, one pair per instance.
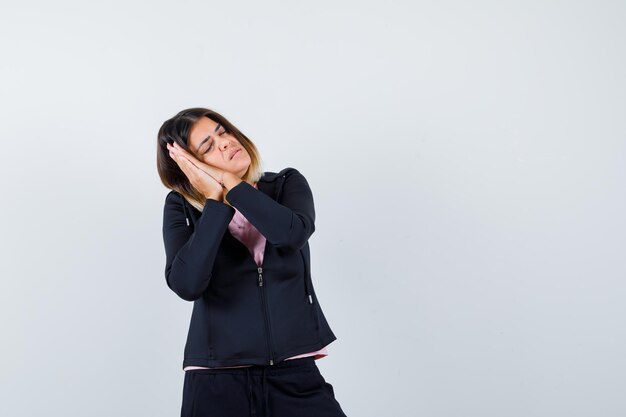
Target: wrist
{"points": [[229, 180], [217, 197]]}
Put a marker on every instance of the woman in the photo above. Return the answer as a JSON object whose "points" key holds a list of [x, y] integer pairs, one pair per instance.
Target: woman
{"points": [[236, 243]]}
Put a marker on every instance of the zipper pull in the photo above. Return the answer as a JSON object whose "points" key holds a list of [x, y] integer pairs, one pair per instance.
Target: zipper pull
{"points": [[310, 297], [271, 362], [260, 276]]}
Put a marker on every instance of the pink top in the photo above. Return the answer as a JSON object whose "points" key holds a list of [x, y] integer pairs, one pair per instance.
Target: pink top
{"points": [[243, 230]]}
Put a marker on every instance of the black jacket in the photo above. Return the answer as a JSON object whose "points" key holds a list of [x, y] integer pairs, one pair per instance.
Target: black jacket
{"points": [[244, 314]]}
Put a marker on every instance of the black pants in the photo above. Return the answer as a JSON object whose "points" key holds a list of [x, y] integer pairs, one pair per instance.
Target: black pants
{"points": [[291, 388]]}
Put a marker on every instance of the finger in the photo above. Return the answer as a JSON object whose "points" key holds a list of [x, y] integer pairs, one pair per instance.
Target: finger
{"points": [[198, 170], [211, 171], [172, 151], [190, 161], [183, 152], [191, 170], [175, 148], [191, 167], [178, 156], [199, 167], [184, 164]]}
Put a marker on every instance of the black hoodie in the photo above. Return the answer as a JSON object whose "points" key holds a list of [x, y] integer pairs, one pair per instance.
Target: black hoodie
{"points": [[244, 314]]}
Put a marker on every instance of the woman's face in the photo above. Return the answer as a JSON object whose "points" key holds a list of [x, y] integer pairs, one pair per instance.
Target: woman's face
{"points": [[211, 144]]}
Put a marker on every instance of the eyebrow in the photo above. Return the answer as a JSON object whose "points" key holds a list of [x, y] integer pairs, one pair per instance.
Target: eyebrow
{"points": [[208, 137]]}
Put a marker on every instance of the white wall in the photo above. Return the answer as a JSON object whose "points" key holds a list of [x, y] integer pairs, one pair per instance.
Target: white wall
{"points": [[467, 163]]}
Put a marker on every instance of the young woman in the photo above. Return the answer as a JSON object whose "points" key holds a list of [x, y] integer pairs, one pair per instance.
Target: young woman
{"points": [[236, 244]]}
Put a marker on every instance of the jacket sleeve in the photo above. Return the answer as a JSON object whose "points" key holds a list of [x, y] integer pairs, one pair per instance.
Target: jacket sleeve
{"points": [[190, 253], [289, 223]]}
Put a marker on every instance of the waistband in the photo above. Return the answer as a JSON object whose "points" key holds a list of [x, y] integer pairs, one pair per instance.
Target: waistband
{"points": [[290, 365], [286, 366]]}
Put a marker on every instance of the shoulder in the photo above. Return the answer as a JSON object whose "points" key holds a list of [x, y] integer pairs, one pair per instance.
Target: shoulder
{"points": [[173, 198], [287, 172]]}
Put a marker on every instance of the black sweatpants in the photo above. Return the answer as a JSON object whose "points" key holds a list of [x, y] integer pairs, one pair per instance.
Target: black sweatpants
{"points": [[291, 388]]}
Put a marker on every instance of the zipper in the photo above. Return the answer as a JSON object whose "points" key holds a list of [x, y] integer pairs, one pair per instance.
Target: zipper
{"points": [[268, 328]]}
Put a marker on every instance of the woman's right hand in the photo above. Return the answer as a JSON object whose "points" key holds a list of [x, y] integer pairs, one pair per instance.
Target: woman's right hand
{"points": [[200, 180]]}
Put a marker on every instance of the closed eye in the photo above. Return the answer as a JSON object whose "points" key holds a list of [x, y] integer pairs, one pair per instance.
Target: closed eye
{"points": [[211, 145]]}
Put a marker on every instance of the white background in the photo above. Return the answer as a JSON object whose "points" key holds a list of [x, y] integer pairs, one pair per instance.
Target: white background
{"points": [[467, 164]]}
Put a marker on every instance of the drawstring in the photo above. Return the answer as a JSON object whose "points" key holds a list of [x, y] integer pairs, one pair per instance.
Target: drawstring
{"points": [[281, 180], [264, 390], [185, 210], [250, 400]]}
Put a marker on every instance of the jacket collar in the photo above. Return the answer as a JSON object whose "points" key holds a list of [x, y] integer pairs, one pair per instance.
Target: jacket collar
{"points": [[272, 176], [271, 183]]}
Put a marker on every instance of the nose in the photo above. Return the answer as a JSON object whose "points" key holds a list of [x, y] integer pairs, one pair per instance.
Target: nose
{"points": [[225, 142]]}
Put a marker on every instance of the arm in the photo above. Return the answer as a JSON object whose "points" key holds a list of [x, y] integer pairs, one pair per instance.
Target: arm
{"points": [[190, 255], [289, 223]]}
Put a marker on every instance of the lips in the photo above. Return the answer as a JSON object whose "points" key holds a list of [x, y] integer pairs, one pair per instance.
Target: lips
{"points": [[233, 154]]}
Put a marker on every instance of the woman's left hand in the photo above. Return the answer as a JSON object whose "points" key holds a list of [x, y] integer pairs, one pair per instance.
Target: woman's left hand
{"points": [[216, 173]]}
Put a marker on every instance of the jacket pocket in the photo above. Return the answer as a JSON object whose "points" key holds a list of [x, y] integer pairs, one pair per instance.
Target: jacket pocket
{"points": [[209, 330], [312, 300], [292, 308], [237, 322], [293, 316], [308, 291], [198, 333]]}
